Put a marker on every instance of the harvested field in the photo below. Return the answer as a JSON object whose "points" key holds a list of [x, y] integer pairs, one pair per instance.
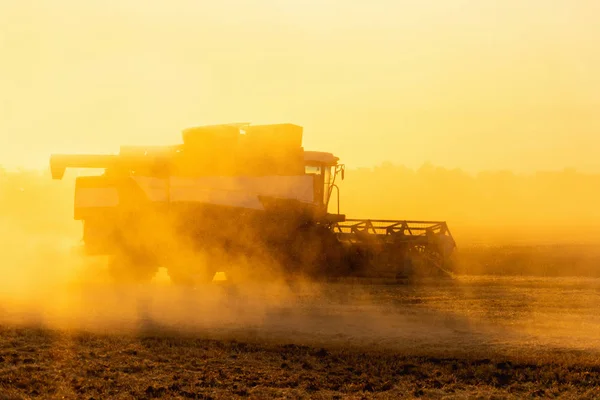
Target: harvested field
{"points": [[484, 336]]}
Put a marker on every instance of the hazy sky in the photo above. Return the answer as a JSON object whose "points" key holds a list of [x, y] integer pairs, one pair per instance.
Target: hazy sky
{"points": [[471, 84]]}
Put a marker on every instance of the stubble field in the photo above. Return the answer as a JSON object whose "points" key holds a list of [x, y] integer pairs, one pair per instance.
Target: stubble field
{"points": [[484, 337]]}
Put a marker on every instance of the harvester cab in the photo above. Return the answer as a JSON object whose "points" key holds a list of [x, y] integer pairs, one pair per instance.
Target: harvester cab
{"points": [[325, 169], [242, 189]]}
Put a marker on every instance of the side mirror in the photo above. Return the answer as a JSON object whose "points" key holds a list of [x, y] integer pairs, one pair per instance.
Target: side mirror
{"points": [[343, 173]]}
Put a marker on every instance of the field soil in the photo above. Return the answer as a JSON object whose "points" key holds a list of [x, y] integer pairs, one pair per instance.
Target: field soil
{"points": [[482, 337]]}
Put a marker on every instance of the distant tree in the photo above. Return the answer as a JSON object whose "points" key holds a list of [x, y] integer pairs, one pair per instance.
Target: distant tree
{"points": [[562, 198]]}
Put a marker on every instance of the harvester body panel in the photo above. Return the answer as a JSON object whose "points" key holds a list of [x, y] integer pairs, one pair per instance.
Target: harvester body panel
{"points": [[243, 192]]}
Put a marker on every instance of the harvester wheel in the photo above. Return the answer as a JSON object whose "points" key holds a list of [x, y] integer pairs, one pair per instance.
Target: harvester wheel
{"points": [[316, 253], [191, 270], [125, 269], [189, 279]]}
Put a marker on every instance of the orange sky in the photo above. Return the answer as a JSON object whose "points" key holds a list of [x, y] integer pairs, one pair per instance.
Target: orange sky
{"points": [[469, 84]]}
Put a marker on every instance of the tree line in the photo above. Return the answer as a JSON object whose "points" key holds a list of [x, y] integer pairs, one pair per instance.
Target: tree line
{"points": [[554, 204]]}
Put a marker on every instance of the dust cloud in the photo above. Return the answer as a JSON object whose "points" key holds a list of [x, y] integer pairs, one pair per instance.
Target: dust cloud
{"points": [[46, 282]]}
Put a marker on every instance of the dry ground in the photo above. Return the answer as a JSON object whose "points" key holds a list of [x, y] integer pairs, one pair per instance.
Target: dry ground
{"points": [[476, 337]]}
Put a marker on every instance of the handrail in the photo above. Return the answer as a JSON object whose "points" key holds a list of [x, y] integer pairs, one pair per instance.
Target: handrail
{"points": [[334, 186]]}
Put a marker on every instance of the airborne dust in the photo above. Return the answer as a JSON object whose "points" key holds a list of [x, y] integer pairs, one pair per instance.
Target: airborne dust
{"points": [[45, 282]]}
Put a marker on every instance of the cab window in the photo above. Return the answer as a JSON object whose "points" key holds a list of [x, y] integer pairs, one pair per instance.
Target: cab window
{"points": [[313, 170]]}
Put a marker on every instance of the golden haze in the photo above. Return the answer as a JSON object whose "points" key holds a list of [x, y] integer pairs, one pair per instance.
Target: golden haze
{"points": [[480, 87], [444, 110], [473, 85]]}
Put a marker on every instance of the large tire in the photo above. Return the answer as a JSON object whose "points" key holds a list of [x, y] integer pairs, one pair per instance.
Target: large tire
{"points": [[181, 277], [126, 269], [192, 270], [315, 252]]}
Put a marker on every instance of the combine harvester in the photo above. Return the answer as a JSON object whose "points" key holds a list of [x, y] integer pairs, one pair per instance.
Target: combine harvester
{"points": [[245, 200]]}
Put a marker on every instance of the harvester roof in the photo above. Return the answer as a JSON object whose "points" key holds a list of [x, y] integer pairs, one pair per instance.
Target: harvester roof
{"points": [[226, 150], [320, 157]]}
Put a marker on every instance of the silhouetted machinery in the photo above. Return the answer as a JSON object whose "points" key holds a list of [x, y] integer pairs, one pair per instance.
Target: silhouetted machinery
{"points": [[247, 200]]}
